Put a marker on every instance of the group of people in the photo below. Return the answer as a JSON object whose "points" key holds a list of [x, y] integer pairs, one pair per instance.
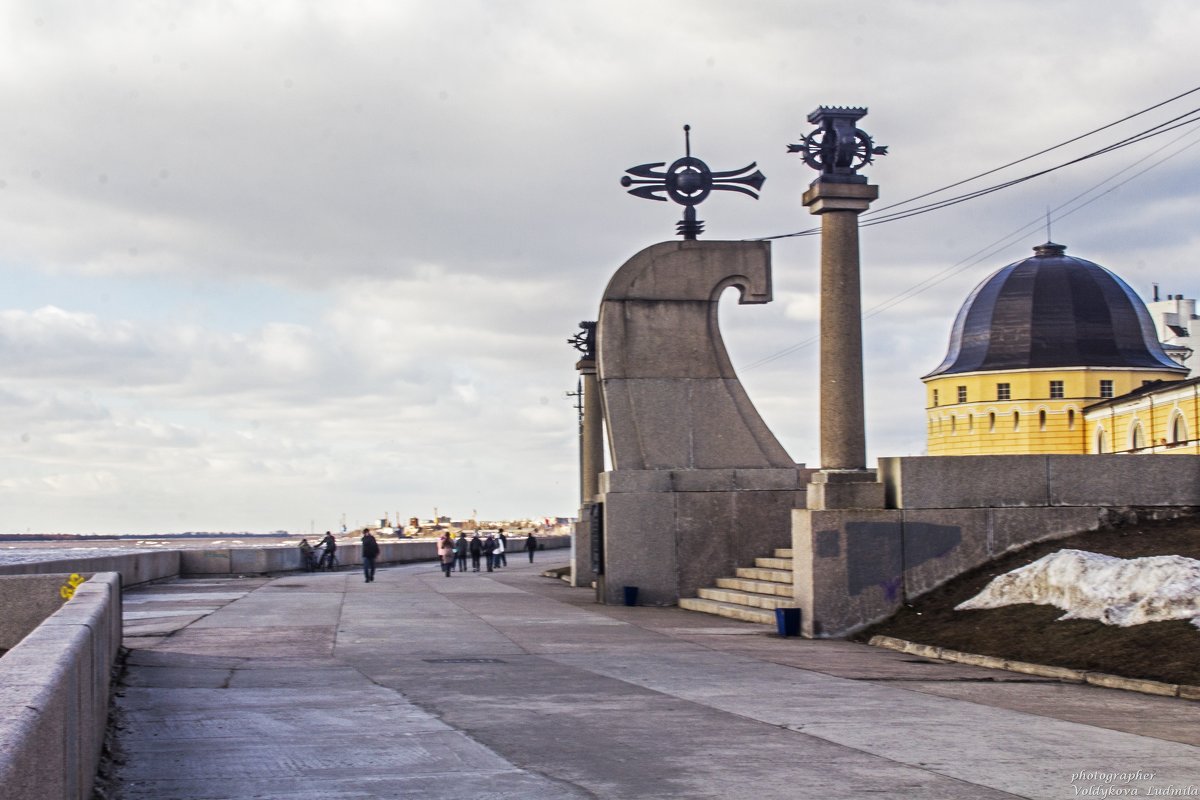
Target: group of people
{"points": [[323, 556], [492, 550], [451, 551]]}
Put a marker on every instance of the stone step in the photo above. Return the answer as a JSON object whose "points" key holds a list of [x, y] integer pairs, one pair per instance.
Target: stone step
{"points": [[759, 587], [757, 574], [752, 599], [756, 615], [774, 563], [783, 552]]}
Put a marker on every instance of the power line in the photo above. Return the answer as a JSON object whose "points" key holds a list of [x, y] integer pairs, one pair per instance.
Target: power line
{"points": [[1040, 152], [1155, 130], [989, 250]]}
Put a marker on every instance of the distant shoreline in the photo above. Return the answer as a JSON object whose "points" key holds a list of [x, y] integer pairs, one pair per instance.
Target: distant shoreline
{"points": [[121, 537]]}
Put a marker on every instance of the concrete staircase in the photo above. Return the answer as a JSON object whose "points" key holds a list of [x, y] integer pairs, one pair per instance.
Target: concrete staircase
{"points": [[751, 596]]}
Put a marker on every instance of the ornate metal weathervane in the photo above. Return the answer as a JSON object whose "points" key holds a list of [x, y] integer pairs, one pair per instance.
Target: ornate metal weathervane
{"points": [[585, 340], [688, 181], [837, 149]]}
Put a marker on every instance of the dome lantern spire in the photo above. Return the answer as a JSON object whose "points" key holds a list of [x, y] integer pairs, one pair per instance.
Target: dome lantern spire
{"points": [[1050, 249]]}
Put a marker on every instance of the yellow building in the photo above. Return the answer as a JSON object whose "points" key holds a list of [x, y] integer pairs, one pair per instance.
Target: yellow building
{"points": [[1158, 418], [1034, 349]]}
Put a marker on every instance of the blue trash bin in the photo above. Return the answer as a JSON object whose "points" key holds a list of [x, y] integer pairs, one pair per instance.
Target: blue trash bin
{"points": [[631, 593], [787, 621]]}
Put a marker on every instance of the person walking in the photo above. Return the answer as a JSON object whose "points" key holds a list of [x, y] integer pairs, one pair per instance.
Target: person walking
{"points": [[531, 546], [476, 549], [446, 553], [489, 551], [370, 551], [501, 546], [460, 551], [329, 557]]}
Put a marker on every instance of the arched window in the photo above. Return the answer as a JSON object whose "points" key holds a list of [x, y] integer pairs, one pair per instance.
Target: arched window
{"points": [[1137, 437], [1070, 419], [1101, 441], [1178, 429], [1042, 420], [1016, 420], [954, 424], [992, 422], [970, 423]]}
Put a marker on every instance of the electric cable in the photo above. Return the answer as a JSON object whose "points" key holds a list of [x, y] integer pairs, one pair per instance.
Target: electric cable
{"points": [[990, 249], [1133, 139], [1189, 118]]}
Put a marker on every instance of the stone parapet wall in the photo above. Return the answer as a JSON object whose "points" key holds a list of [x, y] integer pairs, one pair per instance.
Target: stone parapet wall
{"points": [[1040, 480], [947, 515], [26, 601], [54, 692], [135, 567], [142, 567]]}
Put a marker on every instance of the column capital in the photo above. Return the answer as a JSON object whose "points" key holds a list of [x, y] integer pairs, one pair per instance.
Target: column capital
{"points": [[823, 196], [586, 366]]}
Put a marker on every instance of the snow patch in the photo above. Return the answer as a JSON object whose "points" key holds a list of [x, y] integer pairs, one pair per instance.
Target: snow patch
{"points": [[1115, 591]]}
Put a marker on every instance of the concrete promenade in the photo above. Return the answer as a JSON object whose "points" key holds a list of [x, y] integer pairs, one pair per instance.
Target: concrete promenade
{"points": [[511, 685]]}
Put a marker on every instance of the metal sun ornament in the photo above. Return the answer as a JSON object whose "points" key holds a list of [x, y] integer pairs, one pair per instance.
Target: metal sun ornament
{"points": [[837, 149], [688, 181], [585, 340]]}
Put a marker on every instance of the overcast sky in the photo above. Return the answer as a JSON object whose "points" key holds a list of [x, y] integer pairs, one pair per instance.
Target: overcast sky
{"points": [[266, 264]]}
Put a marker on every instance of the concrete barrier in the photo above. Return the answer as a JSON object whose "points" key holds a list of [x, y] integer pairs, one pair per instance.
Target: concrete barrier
{"points": [[26, 601], [54, 690], [137, 566], [143, 566], [946, 515]]}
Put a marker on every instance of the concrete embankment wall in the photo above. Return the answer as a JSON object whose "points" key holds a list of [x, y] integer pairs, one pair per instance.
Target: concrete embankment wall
{"points": [[135, 567], [958, 512], [946, 515], [142, 566], [54, 690]]}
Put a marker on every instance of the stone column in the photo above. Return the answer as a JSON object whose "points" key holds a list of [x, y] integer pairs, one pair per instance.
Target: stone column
{"points": [[591, 464], [591, 437], [843, 431]]}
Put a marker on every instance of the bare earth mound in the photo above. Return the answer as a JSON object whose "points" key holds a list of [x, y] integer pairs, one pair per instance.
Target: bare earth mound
{"points": [[1161, 651]]}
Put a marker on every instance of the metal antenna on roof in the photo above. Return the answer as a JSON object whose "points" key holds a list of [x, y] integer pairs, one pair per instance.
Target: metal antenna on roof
{"points": [[1049, 238]]}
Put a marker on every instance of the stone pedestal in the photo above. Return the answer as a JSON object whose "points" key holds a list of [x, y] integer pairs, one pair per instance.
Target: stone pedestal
{"points": [[585, 542], [848, 567], [671, 532], [845, 489]]}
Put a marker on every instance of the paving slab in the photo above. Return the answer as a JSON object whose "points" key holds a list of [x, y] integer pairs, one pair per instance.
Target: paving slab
{"points": [[513, 685]]}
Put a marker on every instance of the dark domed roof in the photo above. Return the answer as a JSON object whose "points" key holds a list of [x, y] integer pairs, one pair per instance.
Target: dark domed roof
{"points": [[1053, 310]]}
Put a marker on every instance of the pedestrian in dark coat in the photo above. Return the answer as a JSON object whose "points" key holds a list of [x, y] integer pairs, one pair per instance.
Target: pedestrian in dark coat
{"points": [[370, 552], [531, 546], [489, 551], [476, 548], [460, 551], [501, 549], [329, 557]]}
